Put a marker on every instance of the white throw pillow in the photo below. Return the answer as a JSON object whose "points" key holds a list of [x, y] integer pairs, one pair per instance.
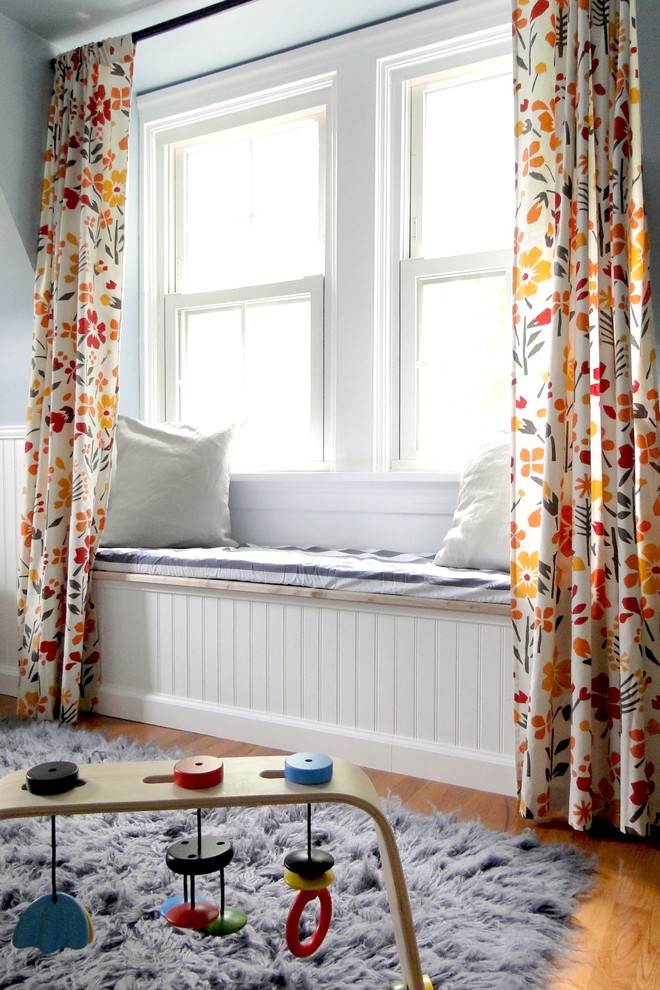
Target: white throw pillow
{"points": [[480, 533], [170, 487]]}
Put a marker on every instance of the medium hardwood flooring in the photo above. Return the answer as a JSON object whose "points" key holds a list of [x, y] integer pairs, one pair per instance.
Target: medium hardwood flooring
{"points": [[616, 944]]}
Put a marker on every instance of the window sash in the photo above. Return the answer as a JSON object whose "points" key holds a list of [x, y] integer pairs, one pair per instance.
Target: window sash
{"points": [[179, 306], [271, 119], [413, 273], [415, 94]]}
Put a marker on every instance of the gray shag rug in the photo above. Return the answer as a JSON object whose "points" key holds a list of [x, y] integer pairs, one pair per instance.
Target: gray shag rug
{"points": [[492, 911]]}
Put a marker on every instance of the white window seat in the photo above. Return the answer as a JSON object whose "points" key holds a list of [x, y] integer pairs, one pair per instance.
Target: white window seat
{"points": [[404, 682]]}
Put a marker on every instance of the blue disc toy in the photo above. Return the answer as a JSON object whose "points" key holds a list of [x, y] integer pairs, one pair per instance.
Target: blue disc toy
{"points": [[308, 768]]}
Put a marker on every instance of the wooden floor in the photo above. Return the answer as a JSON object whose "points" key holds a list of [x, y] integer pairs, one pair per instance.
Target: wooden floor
{"points": [[617, 939]]}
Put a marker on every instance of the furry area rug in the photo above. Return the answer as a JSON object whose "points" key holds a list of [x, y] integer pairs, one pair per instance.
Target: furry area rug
{"points": [[492, 911]]}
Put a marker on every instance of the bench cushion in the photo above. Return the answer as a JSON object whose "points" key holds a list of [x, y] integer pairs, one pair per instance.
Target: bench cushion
{"points": [[372, 571]]}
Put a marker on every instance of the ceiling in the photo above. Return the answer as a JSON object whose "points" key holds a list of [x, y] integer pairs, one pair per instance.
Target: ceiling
{"points": [[53, 20], [267, 25]]}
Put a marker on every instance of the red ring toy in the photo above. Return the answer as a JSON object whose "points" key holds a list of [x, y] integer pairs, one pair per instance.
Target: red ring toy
{"points": [[304, 949]]}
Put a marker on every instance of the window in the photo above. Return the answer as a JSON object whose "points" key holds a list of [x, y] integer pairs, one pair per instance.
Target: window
{"points": [[455, 274], [325, 247], [242, 252]]}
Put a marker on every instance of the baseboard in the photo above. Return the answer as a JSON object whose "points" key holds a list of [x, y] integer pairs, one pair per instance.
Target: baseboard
{"points": [[490, 772]]}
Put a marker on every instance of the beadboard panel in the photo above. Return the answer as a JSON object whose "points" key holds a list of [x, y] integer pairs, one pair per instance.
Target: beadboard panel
{"points": [[12, 446], [386, 686]]}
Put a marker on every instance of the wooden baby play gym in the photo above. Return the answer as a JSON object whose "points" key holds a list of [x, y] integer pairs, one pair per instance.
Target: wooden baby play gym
{"points": [[57, 920]]}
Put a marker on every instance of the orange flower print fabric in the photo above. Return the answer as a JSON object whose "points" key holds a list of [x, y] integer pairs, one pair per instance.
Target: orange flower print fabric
{"points": [[585, 557], [73, 384]]}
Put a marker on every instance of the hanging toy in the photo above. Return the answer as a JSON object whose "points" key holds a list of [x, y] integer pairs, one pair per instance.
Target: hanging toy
{"points": [[56, 920], [309, 870], [204, 854]]}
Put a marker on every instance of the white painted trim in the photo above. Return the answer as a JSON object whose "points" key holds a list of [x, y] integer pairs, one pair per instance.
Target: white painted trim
{"points": [[409, 494], [493, 773], [12, 465]]}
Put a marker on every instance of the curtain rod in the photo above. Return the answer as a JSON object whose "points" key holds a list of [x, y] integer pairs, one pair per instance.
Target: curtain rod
{"points": [[175, 22], [194, 15]]}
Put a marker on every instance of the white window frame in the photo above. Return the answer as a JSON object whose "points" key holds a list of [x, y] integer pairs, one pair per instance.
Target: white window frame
{"points": [[199, 111], [398, 270]]}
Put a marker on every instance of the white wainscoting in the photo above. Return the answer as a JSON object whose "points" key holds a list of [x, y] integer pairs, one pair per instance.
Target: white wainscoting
{"points": [[12, 446], [412, 689]]}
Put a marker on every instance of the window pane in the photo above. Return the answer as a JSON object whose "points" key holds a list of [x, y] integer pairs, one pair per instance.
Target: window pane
{"points": [[251, 363], [277, 430], [252, 208], [467, 190], [211, 395], [463, 365]]}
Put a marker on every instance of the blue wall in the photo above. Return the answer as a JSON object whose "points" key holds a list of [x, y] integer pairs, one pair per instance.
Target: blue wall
{"points": [[25, 82]]}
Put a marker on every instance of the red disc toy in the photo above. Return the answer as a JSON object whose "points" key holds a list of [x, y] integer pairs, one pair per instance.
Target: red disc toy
{"points": [[198, 772]]}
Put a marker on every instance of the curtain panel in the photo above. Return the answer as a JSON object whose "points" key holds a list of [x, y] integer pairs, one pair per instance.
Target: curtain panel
{"points": [[74, 376], [586, 496]]}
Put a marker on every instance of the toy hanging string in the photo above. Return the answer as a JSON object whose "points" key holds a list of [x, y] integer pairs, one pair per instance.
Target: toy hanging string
{"points": [[53, 860]]}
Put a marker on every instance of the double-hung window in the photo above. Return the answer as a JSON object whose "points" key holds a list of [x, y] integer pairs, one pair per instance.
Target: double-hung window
{"points": [[326, 248], [454, 359], [243, 263]]}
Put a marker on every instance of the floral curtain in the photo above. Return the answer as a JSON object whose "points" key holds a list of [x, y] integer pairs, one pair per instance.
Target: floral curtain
{"points": [[73, 387], [586, 496]]}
